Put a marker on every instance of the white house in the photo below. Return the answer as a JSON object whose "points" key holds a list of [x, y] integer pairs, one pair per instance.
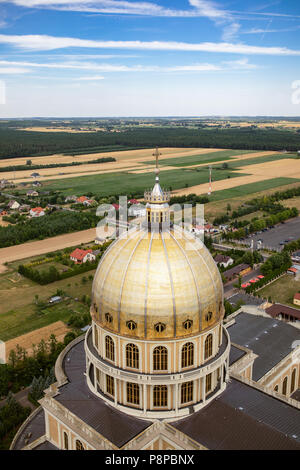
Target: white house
{"points": [[37, 212], [13, 205]]}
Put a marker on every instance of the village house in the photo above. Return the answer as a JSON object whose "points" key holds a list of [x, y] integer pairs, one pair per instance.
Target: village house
{"points": [[13, 204], [24, 208], [71, 198], [81, 199], [89, 202], [32, 193], [297, 298], [294, 270], [223, 260], [284, 313], [137, 210], [239, 270], [3, 212], [82, 256], [37, 212]]}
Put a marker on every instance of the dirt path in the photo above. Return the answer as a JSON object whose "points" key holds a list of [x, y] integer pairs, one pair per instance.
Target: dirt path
{"points": [[40, 247]]}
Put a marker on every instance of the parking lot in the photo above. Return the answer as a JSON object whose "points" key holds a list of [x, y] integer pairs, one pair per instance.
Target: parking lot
{"points": [[281, 233]]}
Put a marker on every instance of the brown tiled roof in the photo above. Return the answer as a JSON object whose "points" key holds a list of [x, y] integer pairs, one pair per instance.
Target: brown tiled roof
{"points": [[235, 270], [278, 309]]}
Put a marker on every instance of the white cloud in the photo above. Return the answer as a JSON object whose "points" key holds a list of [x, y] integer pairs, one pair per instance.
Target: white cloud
{"points": [[12, 70], [47, 43]]}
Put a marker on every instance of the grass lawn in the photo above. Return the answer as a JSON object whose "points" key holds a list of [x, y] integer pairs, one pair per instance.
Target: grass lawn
{"points": [[282, 290], [128, 183], [201, 158], [22, 320], [23, 296], [251, 188]]}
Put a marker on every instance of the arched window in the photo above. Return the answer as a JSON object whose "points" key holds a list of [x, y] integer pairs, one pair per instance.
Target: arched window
{"points": [[132, 356], [160, 358], [79, 445], [133, 393], [131, 325], [187, 324], [96, 336], [208, 316], [108, 318], [66, 441], [208, 383], [284, 386], [187, 355], [160, 327], [276, 388], [160, 395], [293, 381], [109, 348], [187, 392], [208, 346], [110, 385]]}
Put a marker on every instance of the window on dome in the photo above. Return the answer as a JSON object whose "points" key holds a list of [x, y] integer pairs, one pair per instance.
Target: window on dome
{"points": [[133, 393], [276, 388], [187, 392], [132, 356], [110, 385], [109, 348], [66, 441], [159, 327], [208, 316], [208, 383], [108, 317], [208, 346], [95, 308], [187, 355], [187, 324], [293, 381], [79, 445], [131, 325], [160, 395], [160, 358]]}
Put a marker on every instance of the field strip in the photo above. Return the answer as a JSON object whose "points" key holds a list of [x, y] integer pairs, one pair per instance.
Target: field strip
{"points": [[113, 167], [288, 167], [26, 250], [225, 184], [118, 155]]}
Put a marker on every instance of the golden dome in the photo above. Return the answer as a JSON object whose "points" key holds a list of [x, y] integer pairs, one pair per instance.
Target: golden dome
{"points": [[159, 284]]}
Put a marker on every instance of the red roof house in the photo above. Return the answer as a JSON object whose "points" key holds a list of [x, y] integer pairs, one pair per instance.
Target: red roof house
{"points": [[82, 256], [81, 199]]}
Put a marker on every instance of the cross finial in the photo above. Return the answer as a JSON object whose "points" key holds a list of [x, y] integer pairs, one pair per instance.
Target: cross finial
{"points": [[156, 154]]}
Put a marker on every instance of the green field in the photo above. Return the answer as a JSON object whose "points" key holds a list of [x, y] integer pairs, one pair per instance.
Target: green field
{"points": [[256, 160], [128, 183], [251, 188], [282, 290], [17, 322], [201, 158]]}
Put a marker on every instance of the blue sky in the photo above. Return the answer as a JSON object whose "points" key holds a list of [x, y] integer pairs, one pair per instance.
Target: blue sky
{"points": [[149, 58]]}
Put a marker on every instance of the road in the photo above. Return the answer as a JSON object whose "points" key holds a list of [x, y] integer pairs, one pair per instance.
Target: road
{"points": [[229, 290], [21, 398], [40, 247]]}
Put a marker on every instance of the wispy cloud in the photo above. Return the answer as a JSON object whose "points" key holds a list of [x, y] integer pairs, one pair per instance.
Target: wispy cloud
{"points": [[47, 43], [242, 64]]}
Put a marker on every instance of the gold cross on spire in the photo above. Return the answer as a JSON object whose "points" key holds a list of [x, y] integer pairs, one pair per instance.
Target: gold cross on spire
{"points": [[156, 155]]}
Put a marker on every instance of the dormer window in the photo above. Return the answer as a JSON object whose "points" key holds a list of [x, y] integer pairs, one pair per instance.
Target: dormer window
{"points": [[131, 325], [108, 318], [208, 316], [159, 327], [187, 324]]}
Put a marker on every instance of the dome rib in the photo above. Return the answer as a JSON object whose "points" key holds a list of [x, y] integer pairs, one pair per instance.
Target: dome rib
{"points": [[146, 285], [171, 281], [111, 264], [208, 270], [125, 273], [193, 274]]}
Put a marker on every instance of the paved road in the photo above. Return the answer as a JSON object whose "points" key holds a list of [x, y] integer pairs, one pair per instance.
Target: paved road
{"points": [[229, 290]]}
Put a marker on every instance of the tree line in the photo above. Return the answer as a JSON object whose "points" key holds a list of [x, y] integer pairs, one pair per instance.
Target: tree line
{"points": [[16, 143], [51, 225], [53, 165]]}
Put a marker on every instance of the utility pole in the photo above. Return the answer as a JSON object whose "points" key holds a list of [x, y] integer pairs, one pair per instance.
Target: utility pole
{"points": [[210, 185]]}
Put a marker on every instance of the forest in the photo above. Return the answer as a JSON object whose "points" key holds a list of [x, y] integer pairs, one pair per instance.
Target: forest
{"points": [[18, 143]]}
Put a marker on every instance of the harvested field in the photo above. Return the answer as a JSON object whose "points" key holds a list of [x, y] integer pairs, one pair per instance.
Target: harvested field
{"points": [[59, 329]]}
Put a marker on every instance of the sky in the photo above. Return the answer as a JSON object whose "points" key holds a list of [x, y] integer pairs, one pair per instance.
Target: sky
{"points": [[105, 58]]}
